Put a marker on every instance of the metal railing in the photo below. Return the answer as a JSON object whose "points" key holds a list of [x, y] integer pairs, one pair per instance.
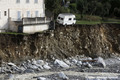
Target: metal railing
{"points": [[36, 20]]}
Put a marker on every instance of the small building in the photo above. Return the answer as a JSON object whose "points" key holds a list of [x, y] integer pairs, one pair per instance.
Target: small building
{"points": [[27, 16]]}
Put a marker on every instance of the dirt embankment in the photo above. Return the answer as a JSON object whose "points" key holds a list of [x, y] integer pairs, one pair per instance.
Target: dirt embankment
{"points": [[96, 40]]}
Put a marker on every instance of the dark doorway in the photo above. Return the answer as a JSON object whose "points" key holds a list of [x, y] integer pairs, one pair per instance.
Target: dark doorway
{"points": [[20, 29]]}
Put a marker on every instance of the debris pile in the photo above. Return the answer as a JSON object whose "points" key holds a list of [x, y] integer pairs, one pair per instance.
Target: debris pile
{"points": [[31, 66]]}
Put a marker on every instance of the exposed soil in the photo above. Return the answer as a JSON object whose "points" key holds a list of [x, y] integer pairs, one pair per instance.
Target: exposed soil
{"points": [[63, 42]]}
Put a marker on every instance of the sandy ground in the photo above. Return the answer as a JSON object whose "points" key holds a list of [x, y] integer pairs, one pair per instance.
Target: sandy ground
{"points": [[53, 75]]}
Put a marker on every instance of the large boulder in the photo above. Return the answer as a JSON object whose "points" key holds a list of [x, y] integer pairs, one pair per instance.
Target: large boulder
{"points": [[40, 62], [101, 61], [61, 63], [46, 66]]}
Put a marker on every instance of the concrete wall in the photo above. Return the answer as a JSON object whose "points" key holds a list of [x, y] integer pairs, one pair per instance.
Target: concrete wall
{"points": [[35, 28], [12, 26], [12, 8]]}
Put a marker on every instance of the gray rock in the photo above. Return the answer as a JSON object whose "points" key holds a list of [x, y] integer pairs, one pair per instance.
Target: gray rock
{"points": [[61, 63], [28, 61], [74, 61], [89, 65], [41, 78], [101, 61], [11, 64], [63, 76], [39, 66], [67, 61], [34, 62], [13, 68], [9, 77], [89, 58], [40, 62], [34, 67], [79, 63], [46, 67], [29, 71]]}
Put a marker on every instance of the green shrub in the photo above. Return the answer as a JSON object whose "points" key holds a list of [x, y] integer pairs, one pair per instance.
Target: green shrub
{"points": [[73, 7], [92, 18]]}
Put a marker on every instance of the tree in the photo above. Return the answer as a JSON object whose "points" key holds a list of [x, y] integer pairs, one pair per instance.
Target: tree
{"points": [[115, 5], [82, 7], [93, 6], [55, 6], [73, 8]]}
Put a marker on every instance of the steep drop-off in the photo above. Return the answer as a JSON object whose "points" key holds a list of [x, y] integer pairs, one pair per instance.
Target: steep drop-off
{"points": [[95, 40]]}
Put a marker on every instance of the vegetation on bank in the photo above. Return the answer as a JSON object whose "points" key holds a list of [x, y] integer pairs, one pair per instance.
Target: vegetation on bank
{"points": [[92, 20], [14, 33], [87, 11]]}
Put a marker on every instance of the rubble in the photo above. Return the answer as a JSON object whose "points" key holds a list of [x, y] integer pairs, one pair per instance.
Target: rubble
{"points": [[30, 66]]}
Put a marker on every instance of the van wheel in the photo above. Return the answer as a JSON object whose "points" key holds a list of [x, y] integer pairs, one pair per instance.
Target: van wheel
{"points": [[65, 25], [72, 24]]}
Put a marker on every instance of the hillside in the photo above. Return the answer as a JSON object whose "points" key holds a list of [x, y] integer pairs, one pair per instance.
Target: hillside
{"points": [[90, 40]]}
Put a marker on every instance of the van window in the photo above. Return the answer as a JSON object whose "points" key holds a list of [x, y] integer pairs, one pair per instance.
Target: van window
{"points": [[61, 18], [70, 18], [58, 17]]}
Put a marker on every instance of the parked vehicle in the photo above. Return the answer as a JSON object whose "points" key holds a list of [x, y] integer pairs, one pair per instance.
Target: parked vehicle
{"points": [[66, 19]]}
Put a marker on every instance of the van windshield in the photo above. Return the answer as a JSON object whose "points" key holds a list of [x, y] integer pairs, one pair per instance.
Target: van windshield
{"points": [[58, 17]]}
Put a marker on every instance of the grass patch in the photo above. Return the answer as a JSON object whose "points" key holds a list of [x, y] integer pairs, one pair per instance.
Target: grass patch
{"points": [[14, 33], [96, 22], [111, 20], [88, 17], [88, 22], [92, 20]]}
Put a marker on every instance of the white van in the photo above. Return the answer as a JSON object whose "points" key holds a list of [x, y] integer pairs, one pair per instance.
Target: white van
{"points": [[66, 19]]}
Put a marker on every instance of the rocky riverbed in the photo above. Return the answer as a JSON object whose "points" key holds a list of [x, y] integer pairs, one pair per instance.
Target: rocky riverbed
{"points": [[73, 68]]}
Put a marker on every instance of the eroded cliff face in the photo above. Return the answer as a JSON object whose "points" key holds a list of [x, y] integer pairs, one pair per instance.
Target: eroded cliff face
{"points": [[95, 40]]}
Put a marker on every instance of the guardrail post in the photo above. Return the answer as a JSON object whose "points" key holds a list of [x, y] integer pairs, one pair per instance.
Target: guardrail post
{"points": [[45, 19], [36, 21]]}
